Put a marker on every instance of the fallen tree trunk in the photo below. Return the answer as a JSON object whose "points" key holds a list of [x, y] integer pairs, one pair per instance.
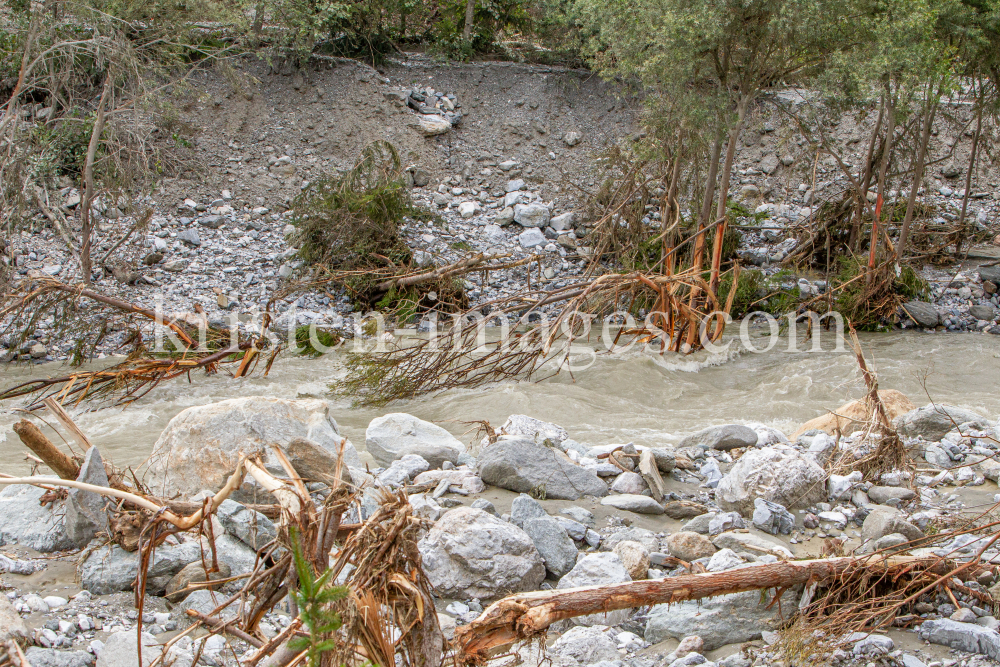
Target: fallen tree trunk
{"points": [[524, 615]]}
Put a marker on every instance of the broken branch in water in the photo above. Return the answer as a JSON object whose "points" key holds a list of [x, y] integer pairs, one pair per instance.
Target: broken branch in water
{"points": [[538, 340]]}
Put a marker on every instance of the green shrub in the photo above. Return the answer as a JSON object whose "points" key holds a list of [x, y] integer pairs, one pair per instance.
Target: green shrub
{"points": [[350, 222], [325, 337]]}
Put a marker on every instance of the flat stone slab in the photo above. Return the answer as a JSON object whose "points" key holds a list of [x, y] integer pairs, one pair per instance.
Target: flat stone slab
{"points": [[633, 503]]}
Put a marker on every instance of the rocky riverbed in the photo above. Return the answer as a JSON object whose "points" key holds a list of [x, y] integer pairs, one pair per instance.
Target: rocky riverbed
{"points": [[504, 154], [528, 507]]}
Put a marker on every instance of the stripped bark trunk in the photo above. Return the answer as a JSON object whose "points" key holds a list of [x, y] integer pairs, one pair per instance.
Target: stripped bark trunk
{"points": [[918, 170], [720, 210], [525, 615], [890, 130], [968, 178], [86, 224]]}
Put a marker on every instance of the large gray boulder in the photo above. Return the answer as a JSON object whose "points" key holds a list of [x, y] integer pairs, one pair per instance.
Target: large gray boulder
{"points": [[201, 446], [526, 467], [553, 544], [110, 569], [525, 507], [729, 436], [247, 525], [397, 434], [645, 537], [690, 546], [932, 422], [204, 602], [990, 273], [23, 521], [748, 544], [598, 569], [86, 513], [779, 474], [471, 554], [922, 313], [772, 517], [587, 646], [722, 620], [967, 637], [531, 215], [122, 650], [194, 573], [882, 521]]}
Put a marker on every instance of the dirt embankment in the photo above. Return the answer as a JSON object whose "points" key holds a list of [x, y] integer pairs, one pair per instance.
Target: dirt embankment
{"points": [[324, 117]]}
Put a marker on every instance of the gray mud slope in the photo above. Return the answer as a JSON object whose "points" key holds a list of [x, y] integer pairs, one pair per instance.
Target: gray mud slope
{"points": [[324, 118]]}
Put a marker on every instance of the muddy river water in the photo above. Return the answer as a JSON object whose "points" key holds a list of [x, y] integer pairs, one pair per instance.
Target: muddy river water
{"points": [[635, 397]]}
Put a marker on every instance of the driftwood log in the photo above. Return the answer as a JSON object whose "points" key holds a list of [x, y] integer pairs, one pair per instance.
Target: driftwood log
{"points": [[522, 616], [35, 440]]}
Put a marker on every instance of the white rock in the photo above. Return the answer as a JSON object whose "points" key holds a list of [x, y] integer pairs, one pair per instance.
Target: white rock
{"points": [[55, 602], [563, 221], [531, 215], [724, 559], [531, 238], [779, 474], [840, 487], [432, 125], [397, 434], [467, 209], [200, 446], [534, 429]]}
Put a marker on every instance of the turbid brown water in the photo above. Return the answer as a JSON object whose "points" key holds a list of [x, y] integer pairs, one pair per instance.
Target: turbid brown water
{"points": [[638, 397]]}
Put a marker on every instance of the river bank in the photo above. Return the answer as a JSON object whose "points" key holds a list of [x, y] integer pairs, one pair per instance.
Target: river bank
{"points": [[511, 177]]}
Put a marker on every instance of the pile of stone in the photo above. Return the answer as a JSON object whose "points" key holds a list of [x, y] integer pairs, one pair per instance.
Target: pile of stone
{"points": [[724, 497], [437, 111]]}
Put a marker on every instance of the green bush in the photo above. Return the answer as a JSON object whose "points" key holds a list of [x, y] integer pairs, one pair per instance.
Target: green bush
{"points": [[60, 149], [350, 222], [343, 221]]}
